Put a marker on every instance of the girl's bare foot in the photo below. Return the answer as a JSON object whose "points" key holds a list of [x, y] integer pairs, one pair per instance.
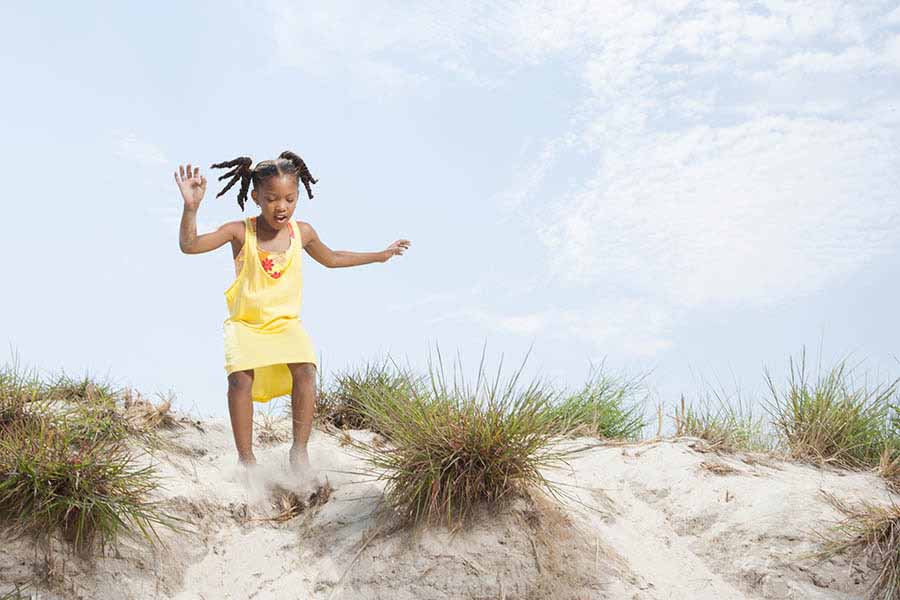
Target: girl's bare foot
{"points": [[306, 475], [251, 477]]}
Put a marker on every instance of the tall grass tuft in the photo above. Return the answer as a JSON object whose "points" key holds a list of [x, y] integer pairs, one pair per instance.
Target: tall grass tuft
{"points": [[454, 446], [833, 419], [18, 388], [86, 389], [869, 534], [16, 383], [66, 462], [88, 489], [889, 467], [341, 403], [727, 425], [85, 407], [605, 406]]}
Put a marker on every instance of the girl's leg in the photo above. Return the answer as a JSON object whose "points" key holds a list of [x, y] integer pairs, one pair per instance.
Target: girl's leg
{"points": [[303, 404], [240, 407]]}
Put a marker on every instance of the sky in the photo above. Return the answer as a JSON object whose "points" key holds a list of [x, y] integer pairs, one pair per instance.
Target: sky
{"points": [[692, 191]]}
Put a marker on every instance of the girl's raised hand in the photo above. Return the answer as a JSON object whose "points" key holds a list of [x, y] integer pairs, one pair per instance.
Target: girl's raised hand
{"points": [[192, 185], [396, 248]]}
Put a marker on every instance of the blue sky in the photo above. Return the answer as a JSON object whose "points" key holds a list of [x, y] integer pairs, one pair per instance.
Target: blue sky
{"points": [[697, 189]]}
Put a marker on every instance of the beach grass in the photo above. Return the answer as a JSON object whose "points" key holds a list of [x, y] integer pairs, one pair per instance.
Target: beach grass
{"points": [[19, 388], [834, 418], [724, 421], [454, 445], [85, 389], [340, 403], [606, 406], [87, 489], [889, 467], [68, 463], [267, 425], [869, 534]]}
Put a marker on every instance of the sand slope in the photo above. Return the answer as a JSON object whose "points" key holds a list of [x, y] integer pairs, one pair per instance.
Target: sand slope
{"points": [[658, 520]]}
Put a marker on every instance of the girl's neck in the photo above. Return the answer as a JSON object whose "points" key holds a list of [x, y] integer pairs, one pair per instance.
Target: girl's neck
{"points": [[263, 226]]}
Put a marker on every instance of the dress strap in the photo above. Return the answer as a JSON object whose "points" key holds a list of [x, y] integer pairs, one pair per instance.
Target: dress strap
{"points": [[250, 235], [249, 247], [296, 241]]}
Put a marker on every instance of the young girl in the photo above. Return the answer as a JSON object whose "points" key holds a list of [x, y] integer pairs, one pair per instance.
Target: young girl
{"points": [[267, 351]]}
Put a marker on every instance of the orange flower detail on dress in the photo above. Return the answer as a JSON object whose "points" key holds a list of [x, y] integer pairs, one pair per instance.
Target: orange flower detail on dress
{"points": [[276, 274], [267, 264]]}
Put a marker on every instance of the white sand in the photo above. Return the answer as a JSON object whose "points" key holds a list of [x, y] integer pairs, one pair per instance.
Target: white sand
{"points": [[643, 521]]}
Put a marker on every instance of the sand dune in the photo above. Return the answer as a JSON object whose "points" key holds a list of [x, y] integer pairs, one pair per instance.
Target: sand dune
{"points": [[656, 520]]}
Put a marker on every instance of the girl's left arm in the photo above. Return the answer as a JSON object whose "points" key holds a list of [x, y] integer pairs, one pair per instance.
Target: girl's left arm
{"points": [[333, 259]]}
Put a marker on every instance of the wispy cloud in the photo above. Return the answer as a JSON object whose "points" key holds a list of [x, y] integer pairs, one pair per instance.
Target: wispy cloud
{"points": [[533, 173], [712, 189], [390, 48], [894, 16], [520, 324], [753, 213], [744, 154], [627, 325], [129, 146]]}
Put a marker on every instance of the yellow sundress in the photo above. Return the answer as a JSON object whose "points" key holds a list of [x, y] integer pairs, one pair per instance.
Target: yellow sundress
{"points": [[263, 331]]}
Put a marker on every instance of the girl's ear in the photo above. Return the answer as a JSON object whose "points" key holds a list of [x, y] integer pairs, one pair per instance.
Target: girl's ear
{"points": [[253, 195]]}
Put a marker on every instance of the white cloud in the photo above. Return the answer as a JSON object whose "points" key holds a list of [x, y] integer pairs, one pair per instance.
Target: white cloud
{"points": [[522, 324], [425, 299], [892, 52], [715, 190], [533, 173], [624, 326], [631, 326], [894, 16], [754, 213], [519, 324], [849, 59], [129, 146], [745, 152], [388, 47]]}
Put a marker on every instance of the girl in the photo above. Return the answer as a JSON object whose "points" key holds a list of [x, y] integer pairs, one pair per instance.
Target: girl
{"points": [[267, 351]]}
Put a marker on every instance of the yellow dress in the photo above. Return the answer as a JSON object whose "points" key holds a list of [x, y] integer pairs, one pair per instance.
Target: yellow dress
{"points": [[263, 331]]}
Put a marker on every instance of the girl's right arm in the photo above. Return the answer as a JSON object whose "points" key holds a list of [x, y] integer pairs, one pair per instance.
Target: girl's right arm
{"points": [[193, 185]]}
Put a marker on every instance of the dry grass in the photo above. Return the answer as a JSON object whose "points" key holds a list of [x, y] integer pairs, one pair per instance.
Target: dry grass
{"points": [[718, 468], [19, 591], [834, 419], [870, 535], [290, 504], [21, 391], [269, 430], [143, 415], [340, 403], [66, 455], [725, 425], [889, 468], [86, 489], [606, 406], [454, 446]]}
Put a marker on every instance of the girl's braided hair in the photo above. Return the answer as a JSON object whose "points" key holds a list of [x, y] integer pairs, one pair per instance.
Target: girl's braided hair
{"points": [[286, 163]]}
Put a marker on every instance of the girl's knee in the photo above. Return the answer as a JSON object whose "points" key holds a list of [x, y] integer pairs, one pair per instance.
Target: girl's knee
{"points": [[240, 380], [303, 371]]}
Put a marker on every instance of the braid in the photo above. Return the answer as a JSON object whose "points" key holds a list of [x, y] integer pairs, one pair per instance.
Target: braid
{"points": [[302, 171], [240, 171]]}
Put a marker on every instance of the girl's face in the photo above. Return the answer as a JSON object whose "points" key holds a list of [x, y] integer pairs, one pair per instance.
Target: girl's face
{"points": [[277, 199]]}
